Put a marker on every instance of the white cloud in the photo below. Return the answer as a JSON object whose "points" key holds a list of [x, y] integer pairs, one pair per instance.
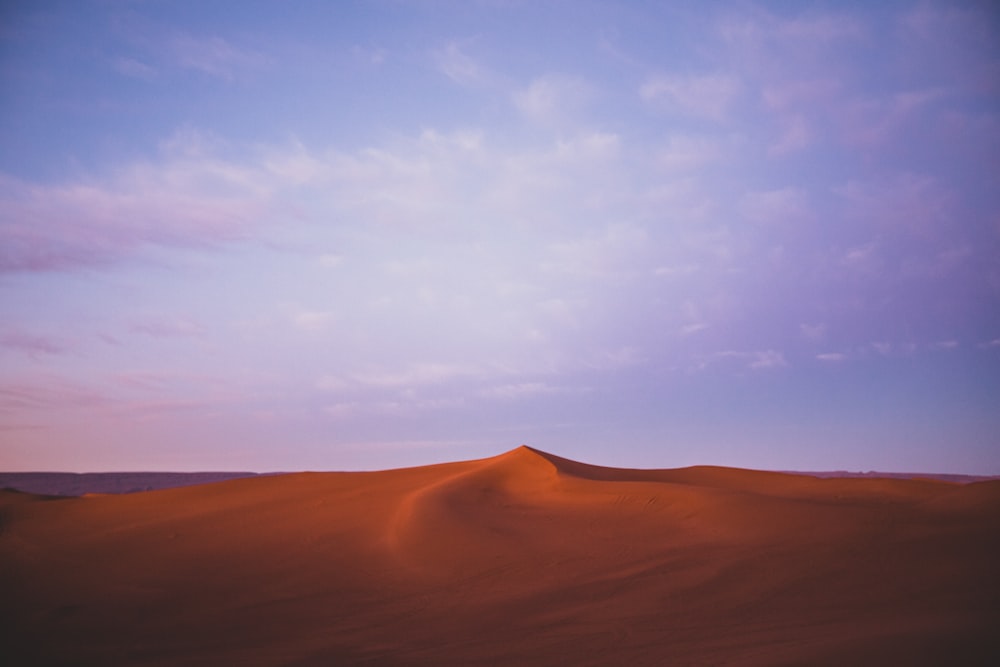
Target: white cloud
{"points": [[903, 202], [609, 253], [519, 390], [345, 409], [588, 147], [214, 56], [295, 165], [813, 331], [49, 392], [161, 327], [332, 383], [873, 121], [419, 374], [788, 96], [796, 134], [685, 153], [331, 260], [768, 359], [825, 28], [459, 66], [693, 328], [882, 347], [676, 270], [753, 360], [31, 344], [761, 35], [134, 68], [682, 201], [553, 98], [313, 321], [402, 407], [785, 204], [832, 356], [708, 96], [186, 199], [861, 255], [372, 55]]}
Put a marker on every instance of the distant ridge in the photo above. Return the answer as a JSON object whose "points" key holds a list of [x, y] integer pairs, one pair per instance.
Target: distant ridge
{"points": [[78, 484], [873, 474]]}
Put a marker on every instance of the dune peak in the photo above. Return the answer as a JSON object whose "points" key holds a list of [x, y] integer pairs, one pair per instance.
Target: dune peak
{"points": [[522, 463], [524, 452]]}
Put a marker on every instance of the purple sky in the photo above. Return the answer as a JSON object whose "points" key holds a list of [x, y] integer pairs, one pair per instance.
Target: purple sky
{"points": [[355, 235]]}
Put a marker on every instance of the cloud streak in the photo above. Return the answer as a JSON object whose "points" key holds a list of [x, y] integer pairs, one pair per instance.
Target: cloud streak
{"points": [[31, 344], [182, 201]]}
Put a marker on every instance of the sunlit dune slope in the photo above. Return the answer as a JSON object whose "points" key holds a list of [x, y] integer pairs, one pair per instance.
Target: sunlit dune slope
{"points": [[522, 559]]}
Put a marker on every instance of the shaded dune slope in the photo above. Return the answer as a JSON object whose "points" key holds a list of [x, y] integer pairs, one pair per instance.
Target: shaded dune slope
{"points": [[525, 558]]}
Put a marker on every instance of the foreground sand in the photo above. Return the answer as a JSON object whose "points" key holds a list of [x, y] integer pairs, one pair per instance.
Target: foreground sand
{"points": [[521, 559]]}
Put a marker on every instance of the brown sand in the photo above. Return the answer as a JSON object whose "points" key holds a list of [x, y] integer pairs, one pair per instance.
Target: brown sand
{"points": [[521, 559]]}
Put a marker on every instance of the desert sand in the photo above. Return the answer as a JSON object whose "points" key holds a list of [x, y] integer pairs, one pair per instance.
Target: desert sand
{"points": [[521, 559]]}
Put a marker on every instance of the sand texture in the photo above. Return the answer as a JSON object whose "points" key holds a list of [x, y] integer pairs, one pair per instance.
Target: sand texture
{"points": [[521, 559]]}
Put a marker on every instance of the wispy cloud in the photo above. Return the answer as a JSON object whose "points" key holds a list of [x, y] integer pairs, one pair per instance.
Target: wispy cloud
{"points": [[902, 205], [707, 96], [374, 55], [609, 253], [752, 360], [31, 344], [415, 375], [48, 393], [553, 98], [180, 202], [214, 56], [768, 359], [685, 153], [775, 206], [313, 321], [796, 134], [161, 327], [813, 331], [458, 66], [134, 68], [870, 122], [519, 390], [403, 407], [331, 260], [762, 36], [693, 328]]}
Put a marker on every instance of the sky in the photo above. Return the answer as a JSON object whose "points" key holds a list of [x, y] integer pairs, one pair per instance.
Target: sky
{"points": [[363, 235]]}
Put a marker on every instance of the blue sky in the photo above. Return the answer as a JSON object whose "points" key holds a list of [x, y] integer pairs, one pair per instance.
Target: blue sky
{"points": [[356, 235]]}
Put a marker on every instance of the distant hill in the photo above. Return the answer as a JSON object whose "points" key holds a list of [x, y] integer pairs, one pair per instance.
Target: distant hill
{"points": [[78, 484], [941, 477]]}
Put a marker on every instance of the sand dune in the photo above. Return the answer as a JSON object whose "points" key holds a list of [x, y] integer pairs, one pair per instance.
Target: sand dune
{"points": [[521, 559]]}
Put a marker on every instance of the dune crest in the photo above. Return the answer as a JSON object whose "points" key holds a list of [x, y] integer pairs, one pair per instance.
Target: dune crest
{"points": [[465, 504], [524, 558]]}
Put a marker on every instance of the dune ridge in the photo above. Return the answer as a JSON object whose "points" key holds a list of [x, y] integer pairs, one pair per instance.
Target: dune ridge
{"points": [[525, 558], [78, 484]]}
